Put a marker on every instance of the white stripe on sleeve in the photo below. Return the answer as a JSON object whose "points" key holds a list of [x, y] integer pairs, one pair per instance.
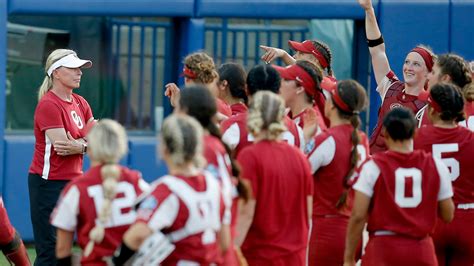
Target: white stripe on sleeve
{"points": [[323, 154], [166, 213], [368, 176], [231, 136]]}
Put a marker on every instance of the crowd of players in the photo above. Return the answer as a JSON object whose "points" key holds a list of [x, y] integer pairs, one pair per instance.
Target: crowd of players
{"points": [[267, 167]]}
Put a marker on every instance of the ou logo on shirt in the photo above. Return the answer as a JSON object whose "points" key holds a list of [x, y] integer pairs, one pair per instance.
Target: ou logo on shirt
{"points": [[77, 119]]}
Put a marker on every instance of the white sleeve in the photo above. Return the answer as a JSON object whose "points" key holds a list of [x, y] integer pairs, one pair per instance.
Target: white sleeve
{"points": [[382, 88], [301, 137], [323, 154], [231, 136], [65, 214], [166, 213], [143, 185], [445, 186], [367, 178]]}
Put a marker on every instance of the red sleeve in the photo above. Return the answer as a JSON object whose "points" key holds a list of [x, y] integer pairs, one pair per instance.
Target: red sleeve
{"points": [[225, 124], [48, 115], [249, 169], [308, 175]]}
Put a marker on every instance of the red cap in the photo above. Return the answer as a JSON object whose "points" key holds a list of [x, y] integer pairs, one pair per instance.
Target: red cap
{"points": [[308, 48], [328, 83], [426, 97], [295, 72]]}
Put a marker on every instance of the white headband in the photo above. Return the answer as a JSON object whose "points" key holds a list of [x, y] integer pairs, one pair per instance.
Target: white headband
{"points": [[69, 61]]}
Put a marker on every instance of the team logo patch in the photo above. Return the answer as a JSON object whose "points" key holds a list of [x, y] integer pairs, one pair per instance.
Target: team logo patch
{"points": [[395, 105], [147, 207]]}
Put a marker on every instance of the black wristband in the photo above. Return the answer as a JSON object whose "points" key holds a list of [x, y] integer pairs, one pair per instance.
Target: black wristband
{"points": [[122, 254], [67, 261], [376, 42]]}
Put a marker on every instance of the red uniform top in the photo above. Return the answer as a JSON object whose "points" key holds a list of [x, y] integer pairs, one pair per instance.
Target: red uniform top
{"points": [[236, 135], [299, 119], [238, 108], [455, 147], [281, 182], [218, 164], [82, 200], [189, 211], [53, 112], [469, 111], [393, 95], [330, 162], [422, 117], [223, 108], [404, 191]]}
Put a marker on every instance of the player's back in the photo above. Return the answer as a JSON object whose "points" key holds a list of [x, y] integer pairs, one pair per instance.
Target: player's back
{"points": [[455, 147], [405, 194]]}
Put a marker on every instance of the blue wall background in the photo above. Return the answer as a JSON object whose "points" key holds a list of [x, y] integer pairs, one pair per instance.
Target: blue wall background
{"points": [[445, 25]]}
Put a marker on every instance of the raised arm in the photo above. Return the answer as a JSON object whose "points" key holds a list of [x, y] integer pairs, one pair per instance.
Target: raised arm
{"points": [[380, 62]]}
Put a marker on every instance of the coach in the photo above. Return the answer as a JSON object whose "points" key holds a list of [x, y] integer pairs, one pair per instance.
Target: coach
{"points": [[60, 124]]}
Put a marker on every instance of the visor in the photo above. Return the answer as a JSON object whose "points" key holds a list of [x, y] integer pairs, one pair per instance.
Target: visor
{"points": [[69, 61], [308, 48], [295, 72]]}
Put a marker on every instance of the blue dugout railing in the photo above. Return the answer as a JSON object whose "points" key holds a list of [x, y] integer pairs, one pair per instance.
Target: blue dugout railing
{"points": [[225, 39], [159, 39]]}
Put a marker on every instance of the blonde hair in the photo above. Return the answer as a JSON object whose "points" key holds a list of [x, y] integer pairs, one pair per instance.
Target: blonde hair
{"points": [[108, 144], [203, 66], [266, 114], [468, 92], [52, 58], [182, 136]]}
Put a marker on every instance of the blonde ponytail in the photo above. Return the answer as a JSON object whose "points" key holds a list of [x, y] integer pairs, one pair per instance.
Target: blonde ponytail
{"points": [[182, 137], [52, 58], [266, 115], [107, 144]]}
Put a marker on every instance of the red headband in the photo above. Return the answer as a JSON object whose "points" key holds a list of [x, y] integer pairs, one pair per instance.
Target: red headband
{"points": [[426, 96], [426, 57], [189, 73], [295, 72], [339, 102], [308, 47]]}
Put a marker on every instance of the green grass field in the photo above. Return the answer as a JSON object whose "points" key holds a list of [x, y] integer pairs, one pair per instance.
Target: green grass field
{"points": [[31, 254]]}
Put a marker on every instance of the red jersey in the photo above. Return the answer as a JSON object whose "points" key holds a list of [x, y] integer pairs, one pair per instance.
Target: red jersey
{"points": [[82, 200], [404, 191], [218, 164], [393, 95], [189, 211], [455, 147], [330, 162], [299, 119], [281, 183], [223, 108], [53, 112], [422, 117], [236, 135], [469, 112], [238, 108]]}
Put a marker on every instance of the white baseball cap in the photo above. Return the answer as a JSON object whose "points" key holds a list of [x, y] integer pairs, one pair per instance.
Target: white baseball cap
{"points": [[69, 61]]}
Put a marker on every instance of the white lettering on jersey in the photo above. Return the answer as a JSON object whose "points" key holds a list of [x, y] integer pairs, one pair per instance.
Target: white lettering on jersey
{"points": [[118, 216], [401, 175], [77, 119]]}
